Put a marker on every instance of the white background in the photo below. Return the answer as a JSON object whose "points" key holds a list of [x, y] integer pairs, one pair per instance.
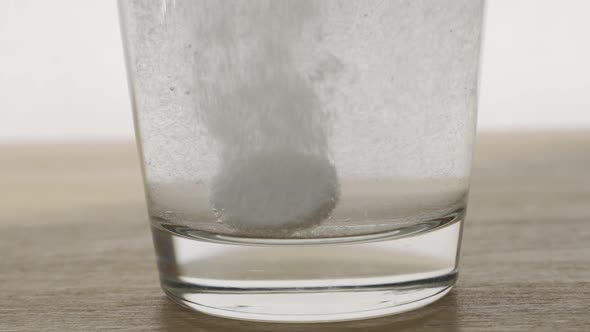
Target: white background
{"points": [[62, 74]]}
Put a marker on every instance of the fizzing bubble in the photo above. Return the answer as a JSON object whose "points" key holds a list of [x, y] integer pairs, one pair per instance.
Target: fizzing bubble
{"points": [[260, 103]]}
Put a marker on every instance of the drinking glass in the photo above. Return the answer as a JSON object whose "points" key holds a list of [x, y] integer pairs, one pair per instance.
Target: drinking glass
{"points": [[304, 160]]}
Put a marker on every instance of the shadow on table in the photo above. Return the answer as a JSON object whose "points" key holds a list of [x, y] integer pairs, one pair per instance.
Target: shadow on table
{"points": [[441, 315]]}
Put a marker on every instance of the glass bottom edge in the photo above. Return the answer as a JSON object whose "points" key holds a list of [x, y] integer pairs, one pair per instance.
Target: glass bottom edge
{"points": [[302, 284], [296, 305]]}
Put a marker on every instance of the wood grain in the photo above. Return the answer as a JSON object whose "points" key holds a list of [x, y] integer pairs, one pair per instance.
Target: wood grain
{"points": [[76, 253]]}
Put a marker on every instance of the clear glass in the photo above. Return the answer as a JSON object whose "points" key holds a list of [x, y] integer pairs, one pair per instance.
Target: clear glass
{"points": [[305, 160]]}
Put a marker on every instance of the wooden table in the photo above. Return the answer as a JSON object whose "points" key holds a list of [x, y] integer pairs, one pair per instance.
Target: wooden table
{"points": [[76, 253]]}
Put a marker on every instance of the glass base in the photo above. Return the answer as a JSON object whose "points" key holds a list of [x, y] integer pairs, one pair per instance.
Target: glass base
{"points": [[308, 283], [306, 306]]}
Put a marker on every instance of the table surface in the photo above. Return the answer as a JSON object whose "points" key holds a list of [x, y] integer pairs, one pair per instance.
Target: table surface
{"points": [[76, 253]]}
